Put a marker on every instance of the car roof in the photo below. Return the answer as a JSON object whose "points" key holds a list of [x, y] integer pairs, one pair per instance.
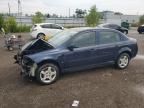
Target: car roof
{"points": [[103, 24], [79, 29], [46, 23]]}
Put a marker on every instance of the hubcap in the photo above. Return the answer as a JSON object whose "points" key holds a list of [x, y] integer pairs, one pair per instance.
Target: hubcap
{"points": [[40, 36], [48, 74], [125, 32], [123, 61]]}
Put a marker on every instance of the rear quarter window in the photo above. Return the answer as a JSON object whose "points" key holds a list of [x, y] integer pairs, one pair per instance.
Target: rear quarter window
{"points": [[123, 37]]}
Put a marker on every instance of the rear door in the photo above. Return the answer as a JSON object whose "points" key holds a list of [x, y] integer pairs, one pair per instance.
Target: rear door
{"points": [[55, 29], [107, 47], [47, 29]]}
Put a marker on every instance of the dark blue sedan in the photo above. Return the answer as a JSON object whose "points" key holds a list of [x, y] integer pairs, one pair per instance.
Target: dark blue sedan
{"points": [[76, 49]]}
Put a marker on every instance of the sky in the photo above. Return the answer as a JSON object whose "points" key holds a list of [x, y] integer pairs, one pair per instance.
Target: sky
{"points": [[61, 7]]}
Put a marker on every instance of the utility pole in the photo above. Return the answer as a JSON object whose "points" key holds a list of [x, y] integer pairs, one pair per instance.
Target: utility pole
{"points": [[69, 12], [9, 9], [19, 7], [20, 13]]}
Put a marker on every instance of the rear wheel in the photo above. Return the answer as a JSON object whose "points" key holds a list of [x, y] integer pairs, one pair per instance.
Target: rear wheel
{"points": [[123, 61], [47, 73], [125, 32], [40, 36]]}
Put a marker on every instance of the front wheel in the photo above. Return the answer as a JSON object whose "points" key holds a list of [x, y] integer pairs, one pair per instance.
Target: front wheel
{"points": [[123, 61], [47, 73]]}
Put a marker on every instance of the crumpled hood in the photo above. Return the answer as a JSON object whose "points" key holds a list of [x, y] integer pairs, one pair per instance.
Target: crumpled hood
{"points": [[44, 55]]}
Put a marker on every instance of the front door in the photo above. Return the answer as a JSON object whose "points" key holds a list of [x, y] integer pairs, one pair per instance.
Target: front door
{"points": [[81, 55]]}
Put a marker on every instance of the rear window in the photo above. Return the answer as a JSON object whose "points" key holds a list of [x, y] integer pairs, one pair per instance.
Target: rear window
{"points": [[107, 26]]}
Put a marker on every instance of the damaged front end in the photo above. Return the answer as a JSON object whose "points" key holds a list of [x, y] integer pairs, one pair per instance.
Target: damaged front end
{"points": [[28, 67], [32, 47]]}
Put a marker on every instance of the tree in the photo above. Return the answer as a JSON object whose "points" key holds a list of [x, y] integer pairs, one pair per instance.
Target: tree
{"points": [[38, 18], [80, 13], [1, 21], [10, 24], [93, 17], [118, 13], [48, 15], [141, 20], [54, 16]]}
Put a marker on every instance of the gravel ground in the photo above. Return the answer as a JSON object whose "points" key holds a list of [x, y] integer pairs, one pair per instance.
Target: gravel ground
{"points": [[104, 87]]}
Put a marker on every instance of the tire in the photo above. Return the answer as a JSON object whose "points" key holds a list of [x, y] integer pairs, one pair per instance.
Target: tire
{"points": [[140, 32], [47, 73], [40, 36], [123, 61], [10, 48], [125, 32]]}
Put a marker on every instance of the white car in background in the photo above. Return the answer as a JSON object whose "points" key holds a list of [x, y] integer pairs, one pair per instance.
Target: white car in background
{"points": [[45, 29]]}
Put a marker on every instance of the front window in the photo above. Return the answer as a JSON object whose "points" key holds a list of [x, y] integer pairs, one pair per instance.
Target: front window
{"points": [[84, 40], [48, 26], [61, 38]]}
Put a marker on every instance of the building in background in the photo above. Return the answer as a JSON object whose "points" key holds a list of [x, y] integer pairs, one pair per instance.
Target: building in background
{"points": [[118, 18], [107, 17]]}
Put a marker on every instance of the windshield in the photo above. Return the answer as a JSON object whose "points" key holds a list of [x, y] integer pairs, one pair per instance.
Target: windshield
{"points": [[61, 38]]}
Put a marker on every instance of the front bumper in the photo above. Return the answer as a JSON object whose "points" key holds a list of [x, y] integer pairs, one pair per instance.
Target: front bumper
{"points": [[25, 70], [18, 59], [28, 67]]}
